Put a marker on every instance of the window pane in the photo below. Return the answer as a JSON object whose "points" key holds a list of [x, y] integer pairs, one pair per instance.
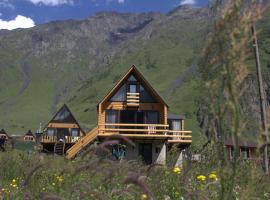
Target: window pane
{"points": [[132, 78], [120, 95], [152, 117], [64, 116], [175, 125], [111, 116], [145, 96], [50, 132], [132, 88], [74, 132], [245, 153]]}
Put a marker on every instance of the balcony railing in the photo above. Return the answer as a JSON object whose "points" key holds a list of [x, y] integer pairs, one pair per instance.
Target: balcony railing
{"points": [[53, 139], [146, 130], [48, 139], [133, 99]]}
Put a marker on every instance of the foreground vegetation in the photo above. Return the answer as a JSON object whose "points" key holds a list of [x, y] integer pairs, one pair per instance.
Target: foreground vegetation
{"points": [[39, 176], [95, 175]]}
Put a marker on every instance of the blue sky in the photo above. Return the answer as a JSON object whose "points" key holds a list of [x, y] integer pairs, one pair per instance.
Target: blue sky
{"points": [[27, 13]]}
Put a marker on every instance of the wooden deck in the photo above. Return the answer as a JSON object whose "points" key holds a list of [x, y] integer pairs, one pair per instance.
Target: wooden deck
{"points": [[154, 131], [136, 131], [53, 139]]}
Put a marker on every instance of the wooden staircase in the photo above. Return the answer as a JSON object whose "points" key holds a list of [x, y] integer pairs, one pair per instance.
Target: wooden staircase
{"points": [[81, 143], [59, 148]]}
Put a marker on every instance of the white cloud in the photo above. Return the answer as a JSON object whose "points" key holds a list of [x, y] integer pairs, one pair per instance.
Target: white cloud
{"points": [[19, 22], [6, 4], [52, 2], [188, 2], [111, 1]]}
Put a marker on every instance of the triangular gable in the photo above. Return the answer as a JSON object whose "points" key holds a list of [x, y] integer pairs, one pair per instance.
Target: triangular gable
{"points": [[132, 73], [29, 133], [3, 132], [64, 115]]}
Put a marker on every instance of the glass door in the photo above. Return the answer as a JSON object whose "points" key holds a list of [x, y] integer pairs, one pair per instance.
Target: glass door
{"points": [[132, 88], [145, 151]]}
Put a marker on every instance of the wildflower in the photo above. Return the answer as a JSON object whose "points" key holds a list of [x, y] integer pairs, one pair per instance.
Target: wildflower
{"points": [[177, 170], [213, 176], [177, 194], [44, 189], [201, 178], [53, 184], [143, 197], [60, 178]]}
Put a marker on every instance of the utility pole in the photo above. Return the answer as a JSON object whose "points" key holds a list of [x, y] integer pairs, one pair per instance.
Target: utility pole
{"points": [[262, 98]]}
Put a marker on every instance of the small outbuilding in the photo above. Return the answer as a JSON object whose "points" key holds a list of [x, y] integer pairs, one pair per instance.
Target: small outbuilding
{"points": [[247, 148], [29, 136], [3, 134]]}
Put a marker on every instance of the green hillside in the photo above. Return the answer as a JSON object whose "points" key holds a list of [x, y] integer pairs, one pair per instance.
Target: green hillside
{"points": [[68, 62], [77, 62]]}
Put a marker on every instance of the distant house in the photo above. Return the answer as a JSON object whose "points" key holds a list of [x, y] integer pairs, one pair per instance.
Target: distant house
{"points": [[247, 149], [29, 136], [61, 132], [3, 134], [132, 108]]}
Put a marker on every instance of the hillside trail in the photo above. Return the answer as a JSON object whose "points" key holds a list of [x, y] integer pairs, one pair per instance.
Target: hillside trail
{"points": [[182, 78], [27, 77]]}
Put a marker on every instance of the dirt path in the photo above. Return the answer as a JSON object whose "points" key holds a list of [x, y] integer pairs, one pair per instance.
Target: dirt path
{"points": [[27, 77], [25, 69]]}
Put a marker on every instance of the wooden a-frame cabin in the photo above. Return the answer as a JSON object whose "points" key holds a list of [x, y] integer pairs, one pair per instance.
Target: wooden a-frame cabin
{"points": [[3, 134], [29, 136], [132, 108], [61, 132]]}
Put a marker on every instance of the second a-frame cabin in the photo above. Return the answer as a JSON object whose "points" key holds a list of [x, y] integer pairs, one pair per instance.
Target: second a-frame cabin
{"points": [[61, 132], [132, 108], [29, 136], [3, 134]]}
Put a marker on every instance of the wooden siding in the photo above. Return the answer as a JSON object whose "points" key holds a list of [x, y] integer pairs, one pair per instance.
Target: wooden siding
{"points": [[162, 109], [62, 125]]}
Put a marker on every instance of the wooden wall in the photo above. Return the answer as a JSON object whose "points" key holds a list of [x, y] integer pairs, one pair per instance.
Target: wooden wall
{"points": [[161, 108]]}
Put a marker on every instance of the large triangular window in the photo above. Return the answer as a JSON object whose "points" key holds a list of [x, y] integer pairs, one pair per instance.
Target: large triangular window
{"points": [[120, 95], [132, 78], [64, 116], [145, 96]]}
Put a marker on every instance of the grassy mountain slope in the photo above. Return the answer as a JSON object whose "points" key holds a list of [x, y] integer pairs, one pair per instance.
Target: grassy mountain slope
{"points": [[167, 59], [77, 62]]}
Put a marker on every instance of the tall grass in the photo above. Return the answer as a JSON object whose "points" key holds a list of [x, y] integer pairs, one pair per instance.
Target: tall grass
{"points": [[93, 175], [224, 69]]}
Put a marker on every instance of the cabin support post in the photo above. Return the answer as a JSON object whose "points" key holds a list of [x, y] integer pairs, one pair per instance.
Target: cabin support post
{"points": [[161, 159], [179, 161]]}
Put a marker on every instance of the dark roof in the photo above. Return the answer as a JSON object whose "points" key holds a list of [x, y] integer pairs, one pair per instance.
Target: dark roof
{"points": [[29, 133], [2, 131], [242, 143], [64, 115], [175, 116]]}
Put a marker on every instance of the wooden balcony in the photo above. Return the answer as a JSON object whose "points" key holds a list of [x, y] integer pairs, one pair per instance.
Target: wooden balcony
{"points": [[53, 139], [48, 139], [154, 131], [133, 99]]}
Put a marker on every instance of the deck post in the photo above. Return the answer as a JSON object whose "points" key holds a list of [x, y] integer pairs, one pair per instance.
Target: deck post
{"points": [[161, 159], [179, 161]]}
